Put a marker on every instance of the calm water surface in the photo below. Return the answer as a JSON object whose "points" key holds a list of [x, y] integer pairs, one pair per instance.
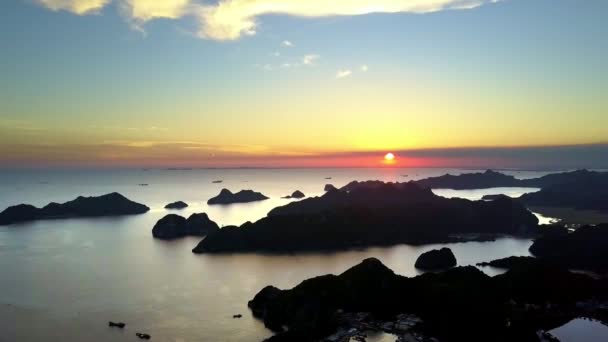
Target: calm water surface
{"points": [[64, 279], [582, 330]]}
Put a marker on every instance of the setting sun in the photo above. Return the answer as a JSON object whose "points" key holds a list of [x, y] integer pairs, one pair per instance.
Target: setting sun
{"points": [[389, 159]]}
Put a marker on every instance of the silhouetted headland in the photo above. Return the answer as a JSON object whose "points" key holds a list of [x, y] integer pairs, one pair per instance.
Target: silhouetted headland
{"points": [[244, 196], [387, 214], [584, 190], [493, 179], [488, 179], [461, 304], [113, 204], [584, 248]]}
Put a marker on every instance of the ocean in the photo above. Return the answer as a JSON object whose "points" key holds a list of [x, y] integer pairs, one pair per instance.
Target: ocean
{"points": [[63, 280]]}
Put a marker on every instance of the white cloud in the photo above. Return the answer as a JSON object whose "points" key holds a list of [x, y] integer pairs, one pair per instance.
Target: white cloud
{"points": [[230, 19], [145, 10], [310, 59], [75, 6], [343, 73], [233, 19], [364, 68]]}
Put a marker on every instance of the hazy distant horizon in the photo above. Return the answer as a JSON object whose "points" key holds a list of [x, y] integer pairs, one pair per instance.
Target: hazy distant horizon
{"points": [[565, 157]]}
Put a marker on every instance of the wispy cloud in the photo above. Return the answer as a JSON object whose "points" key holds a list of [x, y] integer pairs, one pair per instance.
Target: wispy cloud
{"points": [[364, 68], [343, 73], [233, 19], [20, 125]]}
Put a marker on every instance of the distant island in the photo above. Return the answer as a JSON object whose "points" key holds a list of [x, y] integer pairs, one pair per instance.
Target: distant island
{"points": [[461, 304], [581, 189], [587, 191], [296, 194], [113, 204], [385, 214], [244, 196], [488, 179], [493, 179], [177, 205]]}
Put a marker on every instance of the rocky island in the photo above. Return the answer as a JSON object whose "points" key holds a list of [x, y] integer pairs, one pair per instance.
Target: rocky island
{"points": [[113, 204], [176, 205], [174, 226], [244, 196], [461, 304], [436, 259], [383, 215]]}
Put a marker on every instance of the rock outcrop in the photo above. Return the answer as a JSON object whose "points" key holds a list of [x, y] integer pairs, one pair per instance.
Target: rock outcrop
{"points": [[176, 205], [436, 259], [244, 196], [384, 215], [329, 187], [174, 226], [113, 204]]}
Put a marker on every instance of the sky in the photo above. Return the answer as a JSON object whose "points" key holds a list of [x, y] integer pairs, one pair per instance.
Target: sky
{"points": [[290, 83]]}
